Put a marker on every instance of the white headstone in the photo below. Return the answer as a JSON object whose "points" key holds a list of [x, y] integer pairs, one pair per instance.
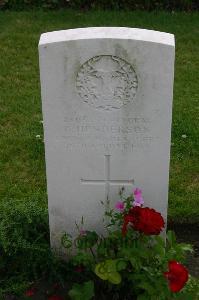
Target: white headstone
{"points": [[107, 107]]}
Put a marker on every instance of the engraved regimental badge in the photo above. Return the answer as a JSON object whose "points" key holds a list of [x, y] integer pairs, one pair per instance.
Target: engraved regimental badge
{"points": [[107, 82]]}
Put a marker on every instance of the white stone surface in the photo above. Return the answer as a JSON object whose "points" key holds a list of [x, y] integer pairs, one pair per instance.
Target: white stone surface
{"points": [[107, 107]]}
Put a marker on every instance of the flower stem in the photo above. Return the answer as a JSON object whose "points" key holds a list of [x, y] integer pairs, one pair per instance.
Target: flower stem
{"points": [[91, 250]]}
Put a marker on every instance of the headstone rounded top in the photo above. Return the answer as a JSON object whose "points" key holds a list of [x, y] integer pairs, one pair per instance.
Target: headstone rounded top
{"points": [[107, 33], [107, 110]]}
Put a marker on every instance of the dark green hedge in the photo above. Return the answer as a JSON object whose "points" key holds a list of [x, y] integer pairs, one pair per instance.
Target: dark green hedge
{"points": [[186, 5]]}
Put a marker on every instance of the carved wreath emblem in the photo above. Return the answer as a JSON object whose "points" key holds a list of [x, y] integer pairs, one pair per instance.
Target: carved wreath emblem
{"points": [[107, 82]]}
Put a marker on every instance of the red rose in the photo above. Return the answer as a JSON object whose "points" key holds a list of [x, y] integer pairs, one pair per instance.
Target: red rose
{"points": [[144, 219], [79, 269], [177, 276], [55, 297], [56, 286], [30, 292]]}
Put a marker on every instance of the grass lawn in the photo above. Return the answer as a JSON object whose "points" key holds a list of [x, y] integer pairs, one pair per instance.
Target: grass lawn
{"points": [[22, 166]]}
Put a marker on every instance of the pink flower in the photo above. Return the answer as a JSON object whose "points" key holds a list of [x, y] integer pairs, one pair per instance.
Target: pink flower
{"points": [[138, 199], [119, 206], [82, 232]]}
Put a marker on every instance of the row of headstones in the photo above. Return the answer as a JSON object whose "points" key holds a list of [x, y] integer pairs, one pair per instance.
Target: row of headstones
{"points": [[107, 106]]}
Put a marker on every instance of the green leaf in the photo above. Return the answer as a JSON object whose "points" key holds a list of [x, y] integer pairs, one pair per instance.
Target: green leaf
{"points": [[186, 247], [147, 287], [101, 272], [107, 270], [111, 265], [159, 249], [160, 240], [171, 238], [121, 265], [66, 241], [142, 297], [82, 258], [83, 291], [87, 241], [114, 277]]}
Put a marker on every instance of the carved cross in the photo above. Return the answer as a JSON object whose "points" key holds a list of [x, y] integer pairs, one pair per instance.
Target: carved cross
{"points": [[107, 181]]}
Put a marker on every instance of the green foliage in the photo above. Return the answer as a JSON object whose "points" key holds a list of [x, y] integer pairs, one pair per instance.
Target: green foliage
{"points": [[83, 291], [87, 240], [23, 226], [24, 246], [118, 265], [108, 270], [102, 4], [192, 288], [130, 265], [143, 263]]}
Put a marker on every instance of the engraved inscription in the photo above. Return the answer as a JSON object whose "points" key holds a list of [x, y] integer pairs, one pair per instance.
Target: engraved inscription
{"points": [[107, 82], [107, 135]]}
